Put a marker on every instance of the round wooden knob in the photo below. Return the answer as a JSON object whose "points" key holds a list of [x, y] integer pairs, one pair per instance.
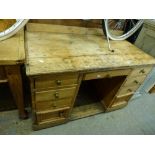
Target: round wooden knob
{"points": [[98, 76], [135, 81], [129, 90], [58, 82], [142, 71], [56, 95], [61, 114]]}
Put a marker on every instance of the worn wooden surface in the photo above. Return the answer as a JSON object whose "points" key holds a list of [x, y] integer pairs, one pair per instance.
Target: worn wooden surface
{"points": [[86, 110], [69, 22], [70, 49], [56, 54], [15, 83], [60, 29], [12, 50], [12, 55]]}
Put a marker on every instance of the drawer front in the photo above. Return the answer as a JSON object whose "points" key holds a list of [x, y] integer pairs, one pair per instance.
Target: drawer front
{"points": [[124, 91], [52, 105], [54, 94], [141, 71], [133, 81], [117, 106], [2, 73], [55, 81], [99, 75], [51, 116], [124, 98]]}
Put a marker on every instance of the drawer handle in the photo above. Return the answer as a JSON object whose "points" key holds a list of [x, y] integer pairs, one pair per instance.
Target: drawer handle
{"points": [[136, 82], [61, 114], [129, 90], [98, 76], [58, 82], [142, 71], [56, 95]]}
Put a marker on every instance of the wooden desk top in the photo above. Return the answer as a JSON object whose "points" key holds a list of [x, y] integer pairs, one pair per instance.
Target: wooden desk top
{"points": [[12, 50], [57, 49]]}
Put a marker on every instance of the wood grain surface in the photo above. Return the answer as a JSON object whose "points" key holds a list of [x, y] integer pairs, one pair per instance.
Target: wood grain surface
{"points": [[6, 23], [12, 50], [58, 49]]}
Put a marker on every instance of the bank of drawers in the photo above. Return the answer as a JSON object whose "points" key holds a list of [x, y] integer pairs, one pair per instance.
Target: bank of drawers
{"points": [[53, 97], [131, 84]]}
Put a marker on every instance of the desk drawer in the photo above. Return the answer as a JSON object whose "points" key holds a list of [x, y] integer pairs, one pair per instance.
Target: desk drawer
{"points": [[54, 94], [134, 81], [55, 81], [140, 71], [124, 91], [122, 98], [52, 105], [51, 116], [99, 75]]}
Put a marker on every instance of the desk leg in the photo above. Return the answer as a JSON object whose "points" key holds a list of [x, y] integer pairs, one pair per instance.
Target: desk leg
{"points": [[15, 82]]}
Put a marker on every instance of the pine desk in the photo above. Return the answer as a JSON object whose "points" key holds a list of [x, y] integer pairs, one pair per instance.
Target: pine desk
{"points": [[73, 74]]}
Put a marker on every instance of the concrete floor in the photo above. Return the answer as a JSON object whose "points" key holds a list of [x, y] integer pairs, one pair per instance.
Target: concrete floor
{"points": [[137, 118]]}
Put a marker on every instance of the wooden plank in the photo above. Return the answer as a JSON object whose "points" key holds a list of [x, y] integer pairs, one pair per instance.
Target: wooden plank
{"points": [[63, 29], [107, 89], [12, 50], [69, 22], [30, 27], [119, 104], [116, 107], [86, 110]]}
